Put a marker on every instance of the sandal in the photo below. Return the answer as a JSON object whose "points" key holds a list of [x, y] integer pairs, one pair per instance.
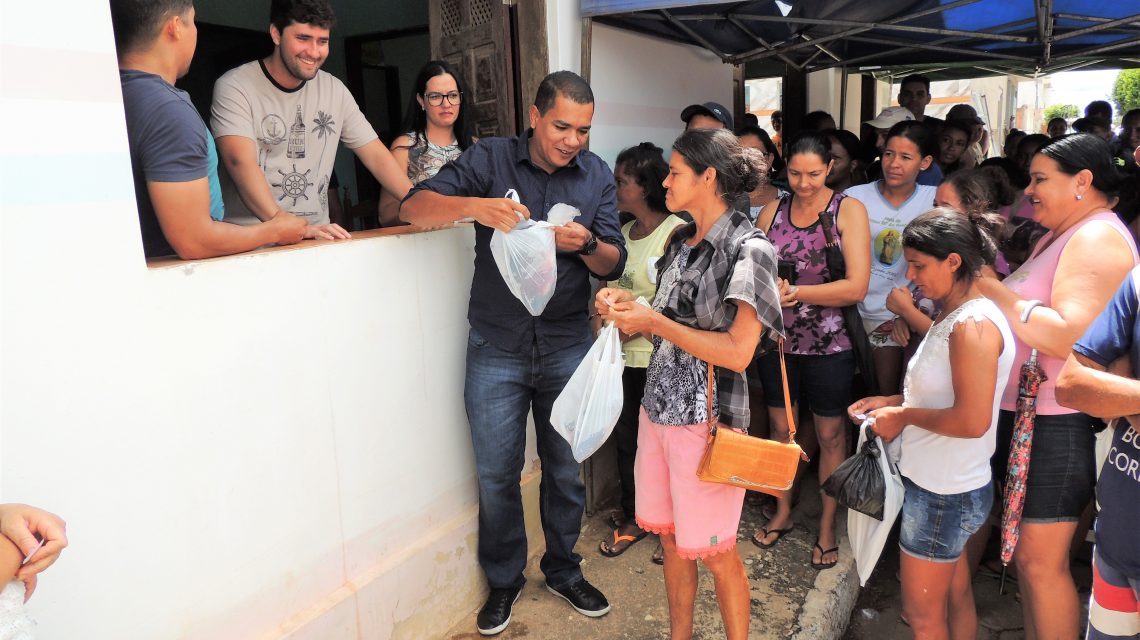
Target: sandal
{"points": [[821, 565], [658, 557], [620, 543], [780, 533]]}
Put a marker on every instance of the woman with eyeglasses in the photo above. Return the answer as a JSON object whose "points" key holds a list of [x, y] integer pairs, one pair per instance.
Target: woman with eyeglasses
{"points": [[436, 127]]}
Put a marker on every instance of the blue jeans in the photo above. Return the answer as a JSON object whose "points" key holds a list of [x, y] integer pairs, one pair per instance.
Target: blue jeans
{"points": [[501, 388]]}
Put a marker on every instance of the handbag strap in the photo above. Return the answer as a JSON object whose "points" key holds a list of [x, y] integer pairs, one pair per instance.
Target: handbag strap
{"points": [[787, 397]]}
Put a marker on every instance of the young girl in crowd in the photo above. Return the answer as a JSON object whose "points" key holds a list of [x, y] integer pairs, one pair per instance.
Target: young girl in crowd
{"points": [[891, 202], [436, 130], [820, 364], [970, 192], [716, 293], [952, 143], [639, 173], [846, 167], [945, 419], [1049, 301]]}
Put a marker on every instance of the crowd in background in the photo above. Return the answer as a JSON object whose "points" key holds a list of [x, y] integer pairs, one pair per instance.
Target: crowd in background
{"points": [[956, 266]]}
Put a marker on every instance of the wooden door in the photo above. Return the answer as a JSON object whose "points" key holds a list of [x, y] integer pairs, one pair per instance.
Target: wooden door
{"points": [[475, 37]]}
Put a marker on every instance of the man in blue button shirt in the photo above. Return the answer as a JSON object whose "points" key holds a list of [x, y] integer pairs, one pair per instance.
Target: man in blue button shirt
{"points": [[517, 362]]}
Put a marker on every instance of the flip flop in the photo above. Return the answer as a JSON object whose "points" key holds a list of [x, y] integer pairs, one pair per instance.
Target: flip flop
{"points": [[620, 543], [658, 556], [821, 566], [780, 533]]}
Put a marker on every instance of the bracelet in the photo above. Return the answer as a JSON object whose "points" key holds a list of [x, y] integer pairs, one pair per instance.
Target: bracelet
{"points": [[1030, 305]]}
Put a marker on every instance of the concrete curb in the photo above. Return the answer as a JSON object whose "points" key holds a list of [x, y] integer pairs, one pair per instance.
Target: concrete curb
{"points": [[827, 607]]}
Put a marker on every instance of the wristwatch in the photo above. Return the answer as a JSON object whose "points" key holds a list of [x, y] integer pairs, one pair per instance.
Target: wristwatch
{"points": [[590, 247]]}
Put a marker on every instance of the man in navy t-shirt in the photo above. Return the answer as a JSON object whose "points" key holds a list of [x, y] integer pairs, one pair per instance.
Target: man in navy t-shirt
{"points": [[172, 153], [1098, 380]]}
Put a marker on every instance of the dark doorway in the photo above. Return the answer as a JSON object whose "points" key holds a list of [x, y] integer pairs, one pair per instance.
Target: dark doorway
{"points": [[220, 48], [381, 68]]}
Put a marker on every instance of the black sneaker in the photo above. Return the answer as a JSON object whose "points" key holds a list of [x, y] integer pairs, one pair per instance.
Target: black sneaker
{"points": [[496, 612], [584, 597]]}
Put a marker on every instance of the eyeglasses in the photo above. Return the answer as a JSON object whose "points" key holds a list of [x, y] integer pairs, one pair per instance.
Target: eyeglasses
{"points": [[436, 99]]}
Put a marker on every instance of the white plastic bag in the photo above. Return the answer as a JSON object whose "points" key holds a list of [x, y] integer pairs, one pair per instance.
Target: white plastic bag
{"points": [[526, 257], [526, 260], [588, 407], [867, 535]]}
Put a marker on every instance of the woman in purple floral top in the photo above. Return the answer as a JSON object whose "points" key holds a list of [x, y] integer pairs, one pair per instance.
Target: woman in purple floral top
{"points": [[818, 350]]}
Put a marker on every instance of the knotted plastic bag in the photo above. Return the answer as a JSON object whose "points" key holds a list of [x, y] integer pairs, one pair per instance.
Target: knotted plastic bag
{"points": [[868, 535], [588, 407], [858, 482]]}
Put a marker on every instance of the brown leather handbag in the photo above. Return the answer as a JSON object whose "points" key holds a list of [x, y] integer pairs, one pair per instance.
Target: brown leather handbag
{"points": [[748, 462]]}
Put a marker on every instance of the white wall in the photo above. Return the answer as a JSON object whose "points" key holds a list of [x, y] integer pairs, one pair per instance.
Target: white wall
{"points": [[271, 445], [641, 84], [563, 35]]}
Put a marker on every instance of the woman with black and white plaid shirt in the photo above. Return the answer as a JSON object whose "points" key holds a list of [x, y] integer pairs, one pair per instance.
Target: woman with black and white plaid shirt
{"points": [[716, 294]]}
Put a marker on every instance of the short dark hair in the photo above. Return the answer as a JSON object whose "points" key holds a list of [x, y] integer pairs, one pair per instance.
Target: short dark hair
{"points": [[318, 13], [1079, 151], [737, 168], [769, 146], [137, 22], [1098, 108], [942, 231], [918, 133], [964, 126], [1052, 120], [811, 142], [916, 77], [814, 119], [562, 83], [646, 164]]}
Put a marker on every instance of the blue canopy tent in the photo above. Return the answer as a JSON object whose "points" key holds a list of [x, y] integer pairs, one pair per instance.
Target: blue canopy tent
{"points": [[958, 38]]}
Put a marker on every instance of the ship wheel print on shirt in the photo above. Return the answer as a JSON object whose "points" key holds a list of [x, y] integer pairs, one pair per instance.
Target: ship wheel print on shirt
{"points": [[294, 184]]}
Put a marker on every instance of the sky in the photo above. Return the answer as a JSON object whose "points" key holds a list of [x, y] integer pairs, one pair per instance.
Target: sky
{"points": [[1075, 87]]}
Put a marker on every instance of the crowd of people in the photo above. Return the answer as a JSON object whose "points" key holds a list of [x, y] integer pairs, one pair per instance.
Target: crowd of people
{"points": [[958, 265]]}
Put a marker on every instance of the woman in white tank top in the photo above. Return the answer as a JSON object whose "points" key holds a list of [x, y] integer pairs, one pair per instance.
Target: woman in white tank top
{"points": [[944, 421]]}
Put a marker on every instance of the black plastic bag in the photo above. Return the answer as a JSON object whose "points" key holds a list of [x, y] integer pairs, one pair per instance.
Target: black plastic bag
{"points": [[858, 483]]}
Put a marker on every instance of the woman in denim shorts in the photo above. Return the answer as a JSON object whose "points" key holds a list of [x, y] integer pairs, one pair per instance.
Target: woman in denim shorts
{"points": [[945, 420], [1050, 300]]}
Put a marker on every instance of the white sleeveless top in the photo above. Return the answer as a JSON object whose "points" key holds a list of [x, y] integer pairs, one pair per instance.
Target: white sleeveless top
{"points": [[15, 624], [937, 463]]}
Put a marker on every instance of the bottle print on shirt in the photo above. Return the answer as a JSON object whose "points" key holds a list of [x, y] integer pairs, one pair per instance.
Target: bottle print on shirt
{"points": [[297, 137]]}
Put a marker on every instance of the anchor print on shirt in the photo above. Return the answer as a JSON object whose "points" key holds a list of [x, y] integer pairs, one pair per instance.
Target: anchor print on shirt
{"points": [[272, 134]]}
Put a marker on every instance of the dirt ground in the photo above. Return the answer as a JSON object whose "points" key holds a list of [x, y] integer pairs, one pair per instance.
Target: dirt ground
{"points": [[876, 614], [781, 581]]}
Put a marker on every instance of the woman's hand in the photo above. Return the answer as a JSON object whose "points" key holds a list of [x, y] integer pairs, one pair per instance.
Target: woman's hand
{"points": [[869, 404], [608, 296], [899, 301], [888, 422], [787, 293], [631, 317]]}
